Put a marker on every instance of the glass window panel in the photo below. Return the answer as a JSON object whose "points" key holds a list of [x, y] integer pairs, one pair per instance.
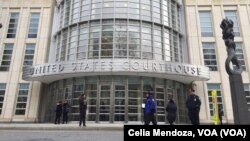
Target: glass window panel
{"points": [[21, 105], [216, 87], [29, 55], [121, 40], [134, 94], [34, 22], [133, 117], [107, 40], [120, 54], [231, 14], [92, 109], [133, 5], [209, 56], [20, 112], [119, 101], [13, 23], [133, 109], [7, 56], [2, 94], [206, 23], [240, 55], [119, 94]]}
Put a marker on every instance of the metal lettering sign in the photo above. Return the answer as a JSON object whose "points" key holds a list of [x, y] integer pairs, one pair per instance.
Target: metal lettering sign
{"points": [[118, 66]]}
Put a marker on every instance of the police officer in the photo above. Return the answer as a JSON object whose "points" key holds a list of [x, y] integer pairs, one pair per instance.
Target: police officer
{"points": [[150, 109], [193, 104]]}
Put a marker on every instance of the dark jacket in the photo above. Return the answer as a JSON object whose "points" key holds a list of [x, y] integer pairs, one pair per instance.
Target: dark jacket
{"points": [[82, 104], [220, 113], [58, 109], [150, 106], [193, 103], [171, 109], [65, 107]]}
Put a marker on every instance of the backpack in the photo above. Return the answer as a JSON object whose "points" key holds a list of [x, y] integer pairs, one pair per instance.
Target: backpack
{"points": [[193, 102]]}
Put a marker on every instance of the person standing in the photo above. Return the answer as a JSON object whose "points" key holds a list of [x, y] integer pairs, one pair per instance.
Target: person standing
{"points": [[150, 109], [193, 104], [65, 108], [58, 112], [220, 115], [82, 109], [171, 110]]}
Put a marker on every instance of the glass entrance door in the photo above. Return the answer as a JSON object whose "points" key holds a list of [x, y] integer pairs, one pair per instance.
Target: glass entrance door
{"points": [[104, 102], [112, 102], [161, 107], [119, 102]]}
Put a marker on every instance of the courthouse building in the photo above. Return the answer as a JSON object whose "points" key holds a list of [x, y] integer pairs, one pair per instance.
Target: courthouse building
{"points": [[115, 51]]}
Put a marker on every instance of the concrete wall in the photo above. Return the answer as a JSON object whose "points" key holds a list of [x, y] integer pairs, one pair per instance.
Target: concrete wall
{"points": [[195, 40], [14, 76]]}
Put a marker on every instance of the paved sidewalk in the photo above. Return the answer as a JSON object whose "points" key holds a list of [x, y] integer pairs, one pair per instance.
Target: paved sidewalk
{"points": [[51, 126]]}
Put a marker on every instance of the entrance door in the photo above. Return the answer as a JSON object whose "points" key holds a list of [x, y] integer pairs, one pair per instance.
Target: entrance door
{"points": [[104, 102], [112, 102], [119, 102], [161, 107]]}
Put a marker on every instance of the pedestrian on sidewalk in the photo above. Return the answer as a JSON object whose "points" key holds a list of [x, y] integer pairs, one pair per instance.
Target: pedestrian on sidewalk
{"points": [[171, 110], [193, 104], [220, 115], [58, 112], [82, 109], [150, 109], [65, 108]]}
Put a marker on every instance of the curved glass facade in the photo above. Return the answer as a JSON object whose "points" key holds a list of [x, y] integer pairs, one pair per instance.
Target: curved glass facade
{"points": [[145, 29], [165, 12], [117, 98], [116, 29]]}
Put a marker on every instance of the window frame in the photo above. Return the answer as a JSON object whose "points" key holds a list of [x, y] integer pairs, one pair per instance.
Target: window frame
{"points": [[2, 88], [208, 24], [217, 87], [7, 48], [20, 96], [210, 46], [34, 16], [14, 19]]}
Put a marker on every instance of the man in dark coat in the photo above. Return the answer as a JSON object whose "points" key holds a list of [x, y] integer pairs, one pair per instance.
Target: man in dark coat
{"points": [[171, 109], [65, 111], [220, 115], [193, 104], [82, 109], [58, 112], [150, 109]]}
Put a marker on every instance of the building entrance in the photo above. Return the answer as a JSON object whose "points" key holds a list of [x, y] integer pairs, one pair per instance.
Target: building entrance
{"points": [[117, 99], [112, 102]]}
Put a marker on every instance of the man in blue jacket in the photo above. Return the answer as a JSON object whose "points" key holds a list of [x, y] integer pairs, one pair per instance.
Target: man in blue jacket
{"points": [[150, 109]]}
